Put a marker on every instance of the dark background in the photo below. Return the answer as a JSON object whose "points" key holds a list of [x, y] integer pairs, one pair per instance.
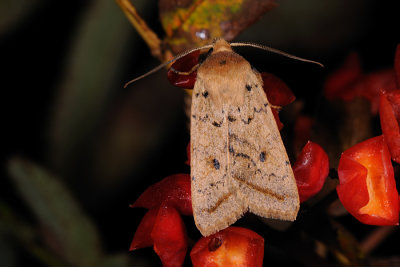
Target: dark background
{"points": [[122, 140]]}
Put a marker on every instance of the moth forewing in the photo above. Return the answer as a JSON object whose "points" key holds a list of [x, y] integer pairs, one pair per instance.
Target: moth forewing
{"points": [[238, 160]]}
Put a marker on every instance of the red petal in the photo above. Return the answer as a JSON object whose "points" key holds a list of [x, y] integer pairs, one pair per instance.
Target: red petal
{"points": [[169, 236], [394, 99], [278, 93], [142, 236], [184, 64], [367, 188], [173, 190], [310, 170], [233, 246], [390, 125], [341, 81], [352, 191]]}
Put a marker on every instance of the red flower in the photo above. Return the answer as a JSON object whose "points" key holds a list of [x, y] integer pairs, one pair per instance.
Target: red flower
{"points": [[233, 246], [278, 94], [277, 91], [184, 64], [310, 170], [173, 191], [169, 236], [389, 113], [162, 226], [349, 82], [367, 187]]}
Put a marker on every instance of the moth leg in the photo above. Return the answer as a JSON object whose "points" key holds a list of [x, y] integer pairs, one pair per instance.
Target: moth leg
{"points": [[195, 67]]}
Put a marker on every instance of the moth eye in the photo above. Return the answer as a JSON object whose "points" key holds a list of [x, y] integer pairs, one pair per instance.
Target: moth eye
{"points": [[216, 164], [197, 94], [248, 87], [222, 62], [262, 156], [205, 94]]}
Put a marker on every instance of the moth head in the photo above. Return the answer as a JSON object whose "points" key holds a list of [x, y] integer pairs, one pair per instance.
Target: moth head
{"points": [[219, 45]]}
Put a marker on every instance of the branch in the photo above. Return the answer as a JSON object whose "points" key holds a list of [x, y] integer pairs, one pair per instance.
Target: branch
{"points": [[140, 25]]}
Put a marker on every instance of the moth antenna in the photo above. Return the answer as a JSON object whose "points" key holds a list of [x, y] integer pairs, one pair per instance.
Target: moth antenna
{"points": [[276, 51], [162, 65]]}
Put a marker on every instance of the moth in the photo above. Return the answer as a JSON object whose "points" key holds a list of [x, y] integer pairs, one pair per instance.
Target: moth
{"points": [[238, 160]]}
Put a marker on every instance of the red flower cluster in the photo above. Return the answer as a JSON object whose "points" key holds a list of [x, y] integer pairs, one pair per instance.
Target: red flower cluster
{"points": [[162, 227], [350, 82], [167, 200], [367, 188]]}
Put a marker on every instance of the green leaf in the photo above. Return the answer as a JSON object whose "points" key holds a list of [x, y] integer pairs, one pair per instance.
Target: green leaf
{"points": [[66, 229]]}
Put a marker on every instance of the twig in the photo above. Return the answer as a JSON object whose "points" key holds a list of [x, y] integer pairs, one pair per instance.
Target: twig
{"points": [[140, 25]]}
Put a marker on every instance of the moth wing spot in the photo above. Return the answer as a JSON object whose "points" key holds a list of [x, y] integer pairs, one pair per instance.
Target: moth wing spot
{"points": [[262, 156], [216, 164], [216, 124]]}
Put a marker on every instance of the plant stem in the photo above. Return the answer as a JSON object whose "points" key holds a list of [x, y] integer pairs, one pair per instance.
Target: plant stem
{"points": [[140, 25]]}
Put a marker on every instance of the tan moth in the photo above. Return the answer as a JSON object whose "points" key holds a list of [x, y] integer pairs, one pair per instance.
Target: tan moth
{"points": [[238, 160]]}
